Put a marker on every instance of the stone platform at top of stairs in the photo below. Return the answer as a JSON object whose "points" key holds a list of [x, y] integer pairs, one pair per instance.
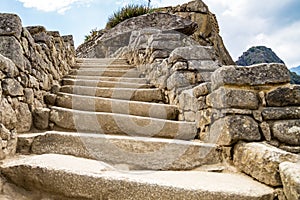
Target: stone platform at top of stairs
{"points": [[134, 94], [132, 152], [121, 124], [99, 104], [88, 179]]}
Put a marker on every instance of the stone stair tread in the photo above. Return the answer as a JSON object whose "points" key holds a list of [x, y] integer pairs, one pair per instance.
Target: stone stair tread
{"points": [[92, 66], [106, 78], [132, 73], [121, 124], [100, 104], [115, 84], [134, 94], [82, 178], [134, 152]]}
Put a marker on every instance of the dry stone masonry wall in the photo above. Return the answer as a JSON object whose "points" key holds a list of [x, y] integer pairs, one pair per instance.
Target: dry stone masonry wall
{"points": [[32, 63], [251, 112]]}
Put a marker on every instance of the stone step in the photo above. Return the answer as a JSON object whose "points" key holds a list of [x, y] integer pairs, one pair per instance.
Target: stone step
{"points": [[107, 78], [121, 124], [131, 152], [89, 179], [107, 84], [102, 60], [133, 94], [100, 104], [92, 66], [133, 73]]}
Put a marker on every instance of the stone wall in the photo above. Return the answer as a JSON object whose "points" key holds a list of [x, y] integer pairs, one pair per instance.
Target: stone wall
{"points": [[32, 62], [251, 113]]}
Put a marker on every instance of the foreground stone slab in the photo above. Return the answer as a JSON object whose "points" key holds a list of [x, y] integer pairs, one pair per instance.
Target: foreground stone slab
{"points": [[81, 178], [290, 176], [255, 75], [135, 152], [99, 104], [120, 124], [146, 95], [261, 161]]}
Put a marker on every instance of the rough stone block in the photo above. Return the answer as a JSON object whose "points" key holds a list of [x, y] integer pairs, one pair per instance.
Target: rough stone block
{"points": [[290, 176], [261, 161], [202, 89], [188, 102], [12, 49], [12, 87], [255, 75], [10, 25], [284, 96], [276, 113], [203, 65], [41, 118], [231, 129], [181, 79], [7, 114], [233, 98], [287, 131], [191, 53], [24, 118], [8, 67]]}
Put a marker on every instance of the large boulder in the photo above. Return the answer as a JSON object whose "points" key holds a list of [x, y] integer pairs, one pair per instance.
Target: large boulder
{"points": [[208, 31], [119, 36]]}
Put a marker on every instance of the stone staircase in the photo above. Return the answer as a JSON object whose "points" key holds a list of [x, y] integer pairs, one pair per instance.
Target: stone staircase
{"points": [[115, 138]]}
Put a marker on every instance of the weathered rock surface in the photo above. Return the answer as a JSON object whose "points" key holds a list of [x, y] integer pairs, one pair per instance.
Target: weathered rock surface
{"points": [[276, 113], [80, 178], [111, 123], [119, 36], [233, 98], [284, 96], [261, 161], [287, 131], [136, 152], [255, 75], [10, 25], [8, 142], [290, 176], [207, 33], [231, 129], [41, 118]]}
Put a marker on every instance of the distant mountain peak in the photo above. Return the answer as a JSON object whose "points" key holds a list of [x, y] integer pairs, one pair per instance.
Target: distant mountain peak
{"points": [[258, 54]]}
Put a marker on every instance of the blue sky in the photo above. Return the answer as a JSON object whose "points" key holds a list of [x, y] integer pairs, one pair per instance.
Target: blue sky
{"points": [[243, 23]]}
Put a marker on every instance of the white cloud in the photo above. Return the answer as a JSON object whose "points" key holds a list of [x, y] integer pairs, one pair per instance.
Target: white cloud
{"points": [[59, 6], [247, 23]]}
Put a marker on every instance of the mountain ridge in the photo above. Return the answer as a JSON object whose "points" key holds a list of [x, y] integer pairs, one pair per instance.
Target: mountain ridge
{"points": [[263, 54]]}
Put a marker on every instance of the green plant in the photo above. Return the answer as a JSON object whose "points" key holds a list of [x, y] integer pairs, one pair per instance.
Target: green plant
{"points": [[92, 34], [126, 12]]}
